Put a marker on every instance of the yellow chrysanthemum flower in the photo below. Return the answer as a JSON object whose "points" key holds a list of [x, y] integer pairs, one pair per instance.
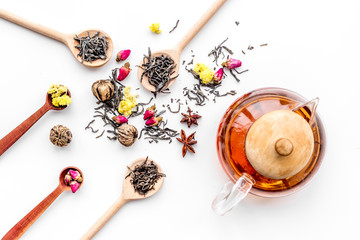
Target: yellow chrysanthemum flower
{"points": [[127, 103], [155, 28], [205, 73], [59, 95]]}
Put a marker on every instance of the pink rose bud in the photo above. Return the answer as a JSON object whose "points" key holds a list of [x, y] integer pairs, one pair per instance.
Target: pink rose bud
{"points": [[218, 76], [120, 119], [74, 174], [153, 121], [74, 185], [124, 71], [150, 112], [122, 55], [232, 63], [67, 179]]}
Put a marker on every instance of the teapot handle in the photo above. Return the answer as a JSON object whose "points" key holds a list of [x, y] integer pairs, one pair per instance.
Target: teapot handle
{"points": [[231, 194]]}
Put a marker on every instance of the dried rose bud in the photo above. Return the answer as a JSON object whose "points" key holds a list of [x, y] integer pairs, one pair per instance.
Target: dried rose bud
{"points": [[150, 112], [120, 119], [153, 121], [67, 179], [79, 180], [122, 55], [124, 71], [218, 76], [74, 185], [231, 63], [74, 174]]}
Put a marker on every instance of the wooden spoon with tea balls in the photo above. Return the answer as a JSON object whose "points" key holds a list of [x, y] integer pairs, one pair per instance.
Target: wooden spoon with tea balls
{"points": [[175, 53], [7, 141], [128, 194], [20, 228], [67, 39]]}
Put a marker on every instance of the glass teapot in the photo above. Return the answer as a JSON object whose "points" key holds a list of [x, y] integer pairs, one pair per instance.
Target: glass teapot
{"points": [[270, 143]]}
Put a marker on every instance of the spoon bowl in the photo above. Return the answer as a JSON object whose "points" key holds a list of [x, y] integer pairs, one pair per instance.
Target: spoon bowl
{"points": [[71, 43], [173, 54], [48, 102], [62, 176], [128, 192]]}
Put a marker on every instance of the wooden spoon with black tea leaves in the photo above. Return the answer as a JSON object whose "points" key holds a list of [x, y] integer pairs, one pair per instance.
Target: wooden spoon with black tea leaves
{"points": [[175, 53], [20, 228], [7, 141], [128, 194], [67, 39]]}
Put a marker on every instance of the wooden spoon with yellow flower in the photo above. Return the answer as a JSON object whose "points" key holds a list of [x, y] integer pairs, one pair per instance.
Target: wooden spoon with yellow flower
{"points": [[57, 98], [175, 53]]}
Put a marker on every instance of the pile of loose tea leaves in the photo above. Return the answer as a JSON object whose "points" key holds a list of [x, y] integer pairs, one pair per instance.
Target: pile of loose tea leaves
{"points": [[144, 177], [92, 47], [158, 70]]}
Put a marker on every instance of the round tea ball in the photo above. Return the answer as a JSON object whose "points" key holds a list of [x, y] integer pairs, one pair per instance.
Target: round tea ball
{"points": [[127, 134], [60, 136]]}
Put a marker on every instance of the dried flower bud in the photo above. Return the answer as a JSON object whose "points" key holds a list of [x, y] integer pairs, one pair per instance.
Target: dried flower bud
{"points": [[120, 119], [74, 185], [122, 55], [79, 180], [103, 90], [218, 76], [124, 71], [153, 121], [67, 179], [150, 112], [74, 174], [231, 63], [127, 134]]}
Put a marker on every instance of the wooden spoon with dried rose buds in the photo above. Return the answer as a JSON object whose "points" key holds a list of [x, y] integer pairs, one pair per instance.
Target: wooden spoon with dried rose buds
{"points": [[128, 194], [73, 183], [175, 53], [67, 39]]}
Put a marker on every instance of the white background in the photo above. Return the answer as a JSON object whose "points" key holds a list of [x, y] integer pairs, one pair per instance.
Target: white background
{"points": [[314, 49]]}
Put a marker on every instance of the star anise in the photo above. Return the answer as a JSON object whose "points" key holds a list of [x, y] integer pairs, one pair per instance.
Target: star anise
{"points": [[190, 118], [187, 141]]}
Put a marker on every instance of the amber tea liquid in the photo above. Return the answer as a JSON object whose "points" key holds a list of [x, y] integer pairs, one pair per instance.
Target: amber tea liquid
{"points": [[232, 133]]}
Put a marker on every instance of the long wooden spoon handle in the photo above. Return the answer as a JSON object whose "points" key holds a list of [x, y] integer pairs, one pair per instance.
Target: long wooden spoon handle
{"points": [[199, 25], [15, 134], [33, 26], [20, 228], [104, 219]]}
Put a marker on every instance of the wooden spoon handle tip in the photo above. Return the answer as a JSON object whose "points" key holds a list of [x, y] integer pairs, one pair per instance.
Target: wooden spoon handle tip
{"points": [[33, 26], [20, 228], [104, 219]]}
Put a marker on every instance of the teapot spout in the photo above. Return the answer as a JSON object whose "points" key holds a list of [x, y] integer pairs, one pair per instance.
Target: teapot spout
{"points": [[308, 109]]}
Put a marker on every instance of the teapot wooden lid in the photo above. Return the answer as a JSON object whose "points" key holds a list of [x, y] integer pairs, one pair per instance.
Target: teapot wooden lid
{"points": [[279, 144]]}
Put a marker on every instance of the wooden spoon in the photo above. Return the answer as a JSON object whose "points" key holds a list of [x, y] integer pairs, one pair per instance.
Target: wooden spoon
{"points": [[20, 228], [175, 53], [7, 141], [128, 194], [67, 39]]}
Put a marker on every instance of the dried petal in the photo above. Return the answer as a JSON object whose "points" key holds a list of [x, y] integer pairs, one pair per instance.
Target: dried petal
{"points": [[218, 76], [67, 179], [122, 55], [74, 174], [150, 112], [120, 119], [153, 121], [74, 185], [232, 63], [124, 71]]}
